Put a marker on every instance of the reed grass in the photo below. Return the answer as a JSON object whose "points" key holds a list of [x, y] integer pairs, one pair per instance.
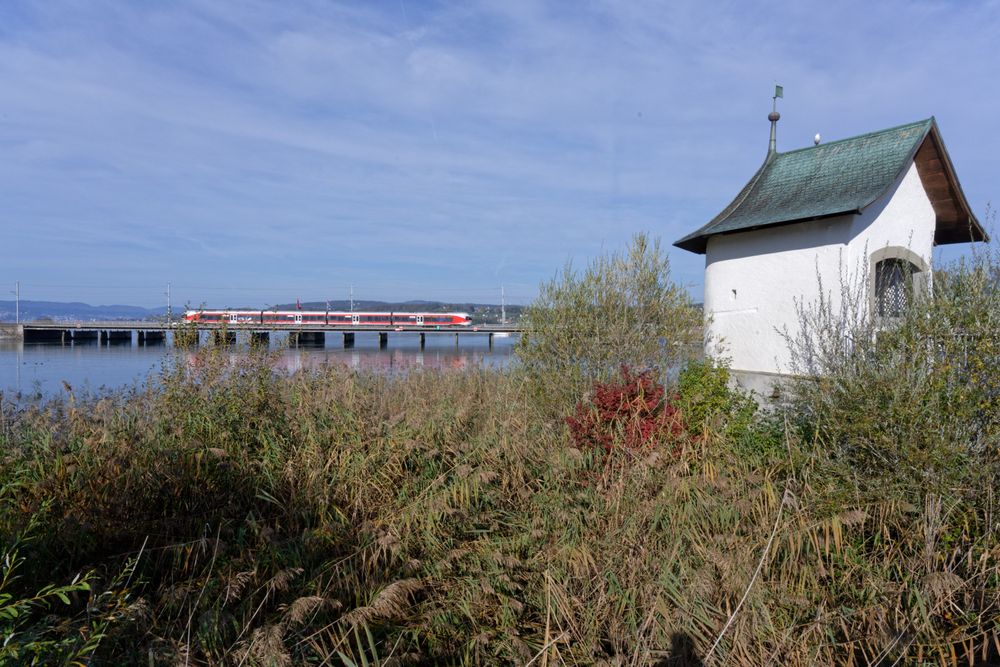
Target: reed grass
{"points": [[231, 514]]}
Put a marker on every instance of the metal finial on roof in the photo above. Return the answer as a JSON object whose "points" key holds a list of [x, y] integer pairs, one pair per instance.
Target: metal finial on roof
{"points": [[774, 117]]}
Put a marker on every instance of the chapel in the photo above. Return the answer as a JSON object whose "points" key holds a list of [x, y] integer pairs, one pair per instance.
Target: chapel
{"points": [[866, 209]]}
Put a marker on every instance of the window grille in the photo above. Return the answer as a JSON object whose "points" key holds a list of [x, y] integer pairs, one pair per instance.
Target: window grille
{"points": [[893, 286]]}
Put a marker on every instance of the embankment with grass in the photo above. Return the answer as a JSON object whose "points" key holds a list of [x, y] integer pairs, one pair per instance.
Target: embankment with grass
{"points": [[233, 515]]}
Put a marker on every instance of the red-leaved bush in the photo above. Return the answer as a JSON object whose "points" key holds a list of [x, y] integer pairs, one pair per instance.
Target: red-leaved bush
{"points": [[632, 412]]}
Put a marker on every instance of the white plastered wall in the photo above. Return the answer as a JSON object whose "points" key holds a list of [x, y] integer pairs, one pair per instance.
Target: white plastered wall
{"points": [[753, 279]]}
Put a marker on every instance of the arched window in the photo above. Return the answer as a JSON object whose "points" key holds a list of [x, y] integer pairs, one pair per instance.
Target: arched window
{"points": [[897, 274], [893, 286]]}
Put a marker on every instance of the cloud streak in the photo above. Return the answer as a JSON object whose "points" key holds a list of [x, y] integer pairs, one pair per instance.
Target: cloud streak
{"points": [[415, 148]]}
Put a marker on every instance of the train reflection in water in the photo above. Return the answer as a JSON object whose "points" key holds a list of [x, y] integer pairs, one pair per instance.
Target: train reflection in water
{"points": [[403, 356], [385, 361]]}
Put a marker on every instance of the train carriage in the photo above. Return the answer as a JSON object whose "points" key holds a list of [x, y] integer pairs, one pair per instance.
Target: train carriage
{"points": [[223, 316], [403, 320]]}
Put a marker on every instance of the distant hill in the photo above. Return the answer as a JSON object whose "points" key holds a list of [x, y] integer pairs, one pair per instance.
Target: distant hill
{"points": [[58, 310]]}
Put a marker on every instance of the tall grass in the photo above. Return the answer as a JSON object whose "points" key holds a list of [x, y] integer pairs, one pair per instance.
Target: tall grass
{"points": [[234, 515]]}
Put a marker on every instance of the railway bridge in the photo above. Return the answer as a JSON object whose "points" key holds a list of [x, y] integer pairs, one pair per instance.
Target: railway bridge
{"points": [[192, 333]]}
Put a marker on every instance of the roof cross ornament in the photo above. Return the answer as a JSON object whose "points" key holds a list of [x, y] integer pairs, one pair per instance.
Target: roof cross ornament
{"points": [[774, 117]]}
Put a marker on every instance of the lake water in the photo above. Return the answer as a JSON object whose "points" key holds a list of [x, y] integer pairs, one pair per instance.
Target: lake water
{"points": [[31, 371]]}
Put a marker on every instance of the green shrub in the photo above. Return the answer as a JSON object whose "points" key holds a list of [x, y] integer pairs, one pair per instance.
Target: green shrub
{"points": [[712, 406], [908, 406], [26, 609], [623, 309], [901, 417]]}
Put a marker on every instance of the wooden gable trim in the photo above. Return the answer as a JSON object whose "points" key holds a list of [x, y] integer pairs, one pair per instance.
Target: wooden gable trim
{"points": [[955, 221]]}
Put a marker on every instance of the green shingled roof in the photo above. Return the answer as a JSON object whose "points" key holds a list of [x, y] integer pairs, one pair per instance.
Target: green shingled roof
{"points": [[820, 181]]}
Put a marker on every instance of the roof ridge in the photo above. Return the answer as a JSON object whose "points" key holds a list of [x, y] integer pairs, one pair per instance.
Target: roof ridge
{"points": [[926, 121], [929, 125]]}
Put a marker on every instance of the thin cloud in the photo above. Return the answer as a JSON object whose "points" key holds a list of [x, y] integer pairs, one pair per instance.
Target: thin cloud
{"points": [[407, 147]]}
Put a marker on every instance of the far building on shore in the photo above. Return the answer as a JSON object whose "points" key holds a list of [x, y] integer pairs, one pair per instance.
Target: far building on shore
{"points": [[865, 211]]}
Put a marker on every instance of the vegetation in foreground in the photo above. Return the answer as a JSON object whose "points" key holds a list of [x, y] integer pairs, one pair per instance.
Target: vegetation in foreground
{"points": [[235, 516]]}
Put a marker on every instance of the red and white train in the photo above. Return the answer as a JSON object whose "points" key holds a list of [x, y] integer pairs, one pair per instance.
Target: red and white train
{"points": [[329, 318]]}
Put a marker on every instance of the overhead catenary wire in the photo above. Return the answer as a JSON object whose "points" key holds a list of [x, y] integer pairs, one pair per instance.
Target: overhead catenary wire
{"points": [[259, 288]]}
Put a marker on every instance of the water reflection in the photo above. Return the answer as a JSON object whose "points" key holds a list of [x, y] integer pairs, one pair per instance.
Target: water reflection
{"points": [[39, 370], [388, 360]]}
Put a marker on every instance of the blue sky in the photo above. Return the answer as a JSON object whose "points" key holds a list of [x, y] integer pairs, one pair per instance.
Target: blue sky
{"points": [[259, 152]]}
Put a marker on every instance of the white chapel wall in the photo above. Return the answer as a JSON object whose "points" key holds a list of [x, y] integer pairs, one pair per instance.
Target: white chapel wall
{"points": [[753, 279], [904, 217]]}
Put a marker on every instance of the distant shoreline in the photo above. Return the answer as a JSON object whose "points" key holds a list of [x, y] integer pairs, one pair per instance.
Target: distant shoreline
{"points": [[61, 311]]}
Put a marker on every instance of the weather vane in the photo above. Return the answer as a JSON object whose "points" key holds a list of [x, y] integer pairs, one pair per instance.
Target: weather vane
{"points": [[774, 116]]}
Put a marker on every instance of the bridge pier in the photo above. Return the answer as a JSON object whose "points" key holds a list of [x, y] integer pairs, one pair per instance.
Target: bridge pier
{"points": [[383, 340], [348, 339], [116, 337], [151, 337], [456, 339], [313, 338], [491, 341], [423, 340], [42, 336], [260, 338], [84, 335], [307, 338]]}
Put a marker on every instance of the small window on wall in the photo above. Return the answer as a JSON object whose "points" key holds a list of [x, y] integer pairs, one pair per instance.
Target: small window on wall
{"points": [[894, 285]]}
